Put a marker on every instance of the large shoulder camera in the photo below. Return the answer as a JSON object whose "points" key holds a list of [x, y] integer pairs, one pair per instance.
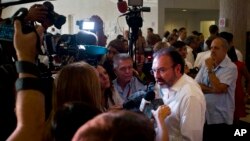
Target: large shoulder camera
{"points": [[80, 46]]}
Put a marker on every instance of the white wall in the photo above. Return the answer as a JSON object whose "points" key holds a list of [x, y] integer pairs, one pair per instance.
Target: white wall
{"points": [[190, 4], [183, 4], [175, 18], [80, 9]]}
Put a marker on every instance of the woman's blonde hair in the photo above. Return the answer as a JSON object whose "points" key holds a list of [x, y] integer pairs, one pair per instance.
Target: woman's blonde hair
{"points": [[77, 82]]}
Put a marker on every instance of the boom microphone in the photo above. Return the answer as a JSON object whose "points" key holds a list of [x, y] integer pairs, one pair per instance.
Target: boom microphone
{"points": [[122, 6]]}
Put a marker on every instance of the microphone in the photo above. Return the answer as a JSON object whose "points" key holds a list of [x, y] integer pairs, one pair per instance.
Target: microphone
{"points": [[135, 101], [150, 95], [122, 6]]}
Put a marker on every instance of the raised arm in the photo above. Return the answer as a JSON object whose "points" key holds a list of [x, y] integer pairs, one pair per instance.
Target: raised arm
{"points": [[30, 100], [160, 115]]}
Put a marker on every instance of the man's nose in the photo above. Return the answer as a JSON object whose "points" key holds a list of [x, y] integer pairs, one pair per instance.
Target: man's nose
{"points": [[127, 70]]}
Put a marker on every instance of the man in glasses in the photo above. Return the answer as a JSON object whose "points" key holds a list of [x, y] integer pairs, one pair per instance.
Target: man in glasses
{"points": [[182, 94]]}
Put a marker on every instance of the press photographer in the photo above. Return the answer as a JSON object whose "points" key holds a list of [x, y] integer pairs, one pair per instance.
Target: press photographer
{"points": [[41, 13]]}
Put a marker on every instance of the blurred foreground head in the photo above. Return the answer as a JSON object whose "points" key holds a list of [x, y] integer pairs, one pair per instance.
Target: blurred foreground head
{"points": [[77, 82], [70, 117], [117, 126]]}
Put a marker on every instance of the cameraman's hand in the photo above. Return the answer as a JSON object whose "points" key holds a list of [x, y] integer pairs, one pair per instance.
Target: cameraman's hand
{"points": [[25, 44], [38, 13]]}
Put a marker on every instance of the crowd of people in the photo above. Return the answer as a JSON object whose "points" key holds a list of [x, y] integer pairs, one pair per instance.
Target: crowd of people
{"points": [[198, 80]]}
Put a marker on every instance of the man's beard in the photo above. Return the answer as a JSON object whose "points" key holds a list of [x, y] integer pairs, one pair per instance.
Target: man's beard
{"points": [[164, 84]]}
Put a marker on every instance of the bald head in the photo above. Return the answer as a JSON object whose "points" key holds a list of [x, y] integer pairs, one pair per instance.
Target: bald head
{"points": [[219, 49]]}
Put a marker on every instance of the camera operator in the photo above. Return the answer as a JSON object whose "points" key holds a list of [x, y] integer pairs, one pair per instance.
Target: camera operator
{"points": [[29, 97], [8, 76]]}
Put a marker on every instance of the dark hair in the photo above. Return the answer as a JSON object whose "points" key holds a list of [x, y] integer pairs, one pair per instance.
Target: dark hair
{"points": [[150, 29], [196, 33], [119, 37], [213, 29], [166, 34], [118, 45], [175, 30], [70, 117], [209, 41], [117, 126], [173, 54], [227, 36], [178, 44], [232, 54], [190, 39], [181, 29]]}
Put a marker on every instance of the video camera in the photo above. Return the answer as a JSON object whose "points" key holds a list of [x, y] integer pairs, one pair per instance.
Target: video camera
{"points": [[133, 18], [80, 46], [7, 28]]}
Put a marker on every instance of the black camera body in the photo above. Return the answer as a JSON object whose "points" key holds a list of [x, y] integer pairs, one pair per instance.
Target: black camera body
{"points": [[7, 26], [194, 70], [7, 29], [80, 46], [56, 19]]}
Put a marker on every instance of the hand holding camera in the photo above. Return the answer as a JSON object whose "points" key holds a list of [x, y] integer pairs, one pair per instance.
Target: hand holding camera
{"points": [[25, 44]]}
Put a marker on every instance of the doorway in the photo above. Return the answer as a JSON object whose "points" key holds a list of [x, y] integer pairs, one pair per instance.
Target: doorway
{"points": [[204, 27]]}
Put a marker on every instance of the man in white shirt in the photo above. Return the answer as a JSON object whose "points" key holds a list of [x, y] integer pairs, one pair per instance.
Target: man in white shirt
{"points": [[217, 78], [192, 45], [202, 56], [182, 94], [182, 34]]}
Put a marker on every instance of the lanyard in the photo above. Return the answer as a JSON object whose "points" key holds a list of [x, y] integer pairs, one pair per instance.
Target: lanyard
{"points": [[128, 92]]}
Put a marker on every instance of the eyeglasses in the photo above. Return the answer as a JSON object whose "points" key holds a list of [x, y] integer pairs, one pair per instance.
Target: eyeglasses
{"points": [[160, 70]]}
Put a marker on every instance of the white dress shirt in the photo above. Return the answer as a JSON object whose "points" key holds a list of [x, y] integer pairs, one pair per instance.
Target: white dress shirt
{"points": [[239, 55], [201, 57], [190, 56], [188, 106]]}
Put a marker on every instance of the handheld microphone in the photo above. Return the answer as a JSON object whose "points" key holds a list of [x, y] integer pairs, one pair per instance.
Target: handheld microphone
{"points": [[122, 6], [135, 101], [150, 95]]}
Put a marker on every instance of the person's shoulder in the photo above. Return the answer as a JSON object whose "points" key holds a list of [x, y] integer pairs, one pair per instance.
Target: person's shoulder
{"points": [[232, 65], [228, 64], [190, 83]]}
